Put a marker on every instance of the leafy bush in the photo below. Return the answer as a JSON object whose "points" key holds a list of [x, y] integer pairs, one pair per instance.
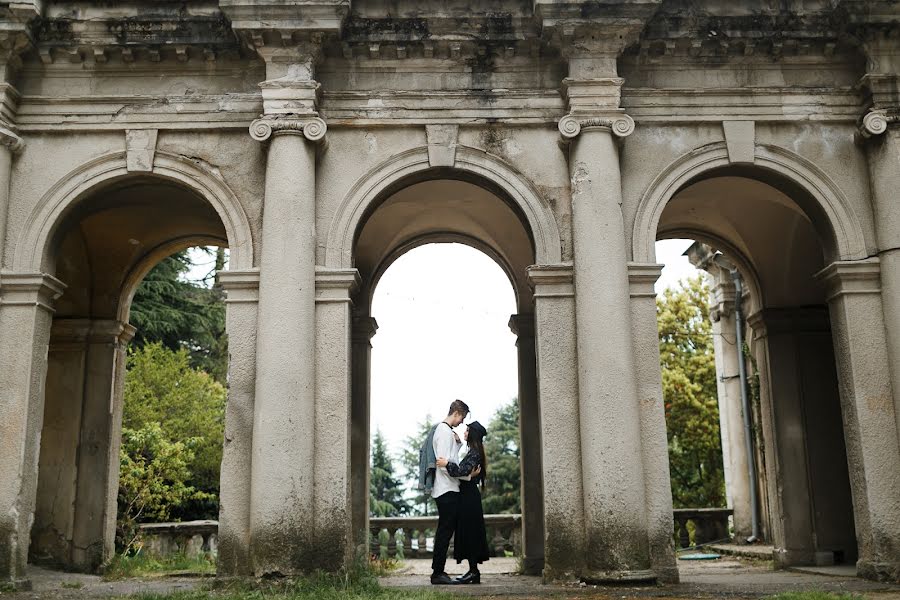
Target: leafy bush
{"points": [[189, 407], [152, 479]]}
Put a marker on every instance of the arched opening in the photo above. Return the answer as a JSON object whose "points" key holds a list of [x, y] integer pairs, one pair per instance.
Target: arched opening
{"points": [[102, 246], [772, 235], [479, 215]]}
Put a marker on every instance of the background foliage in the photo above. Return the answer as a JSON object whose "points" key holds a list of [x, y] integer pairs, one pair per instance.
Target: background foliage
{"points": [[386, 498], [689, 391], [178, 313], [173, 416]]}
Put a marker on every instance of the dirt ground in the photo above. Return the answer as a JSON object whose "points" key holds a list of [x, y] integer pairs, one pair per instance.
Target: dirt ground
{"points": [[724, 578]]}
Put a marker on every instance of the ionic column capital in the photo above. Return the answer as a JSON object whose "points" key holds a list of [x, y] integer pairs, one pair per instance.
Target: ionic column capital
{"points": [[571, 125], [876, 122], [311, 127]]}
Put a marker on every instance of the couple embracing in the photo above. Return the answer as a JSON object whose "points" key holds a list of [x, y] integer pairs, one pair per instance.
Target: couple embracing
{"points": [[454, 486]]}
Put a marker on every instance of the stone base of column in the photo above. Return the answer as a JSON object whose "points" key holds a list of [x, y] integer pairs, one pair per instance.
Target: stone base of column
{"points": [[532, 565], [878, 571], [624, 576]]}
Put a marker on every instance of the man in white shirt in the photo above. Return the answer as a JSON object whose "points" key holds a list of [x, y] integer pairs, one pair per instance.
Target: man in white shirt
{"points": [[446, 489]]}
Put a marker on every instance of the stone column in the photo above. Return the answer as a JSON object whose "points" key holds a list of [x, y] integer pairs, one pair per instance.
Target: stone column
{"points": [[283, 472], [332, 505], [532, 495], [883, 152], [241, 306], [735, 459], [94, 522], [731, 419], [26, 312], [557, 376], [364, 327], [610, 420], [10, 143], [78, 473], [654, 440], [870, 430]]}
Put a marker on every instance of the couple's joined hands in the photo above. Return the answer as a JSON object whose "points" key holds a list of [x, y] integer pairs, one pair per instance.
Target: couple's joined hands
{"points": [[442, 462]]}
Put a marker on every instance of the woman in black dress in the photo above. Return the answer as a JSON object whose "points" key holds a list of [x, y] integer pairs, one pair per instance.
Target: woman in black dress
{"points": [[470, 540]]}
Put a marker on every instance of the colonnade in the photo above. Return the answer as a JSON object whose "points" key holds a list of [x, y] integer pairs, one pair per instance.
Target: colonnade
{"points": [[596, 491]]}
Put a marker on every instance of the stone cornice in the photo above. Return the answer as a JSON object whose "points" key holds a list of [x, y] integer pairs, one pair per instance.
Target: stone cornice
{"points": [[552, 281], [30, 289], [312, 128], [267, 26], [130, 33], [336, 285], [583, 29], [98, 331], [642, 278], [240, 286], [851, 277]]}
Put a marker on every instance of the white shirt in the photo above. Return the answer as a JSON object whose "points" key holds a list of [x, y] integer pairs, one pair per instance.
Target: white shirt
{"points": [[445, 445]]}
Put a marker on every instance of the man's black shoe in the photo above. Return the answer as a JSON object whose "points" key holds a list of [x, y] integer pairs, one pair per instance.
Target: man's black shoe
{"points": [[441, 579], [470, 577]]}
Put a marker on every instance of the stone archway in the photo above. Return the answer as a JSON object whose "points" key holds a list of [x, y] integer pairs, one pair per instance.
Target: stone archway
{"points": [[484, 203], [84, 249], [804, 250]]}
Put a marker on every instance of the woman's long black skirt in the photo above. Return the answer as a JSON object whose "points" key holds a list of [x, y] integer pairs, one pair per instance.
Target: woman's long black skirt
{"points": [[470, 542]]}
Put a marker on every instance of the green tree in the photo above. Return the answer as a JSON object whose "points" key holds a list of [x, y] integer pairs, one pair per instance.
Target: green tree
{"points": [[689, 391], [420, 502], [153, 477], [162, 388], [502, 489], [183, 314], [385, 490]]}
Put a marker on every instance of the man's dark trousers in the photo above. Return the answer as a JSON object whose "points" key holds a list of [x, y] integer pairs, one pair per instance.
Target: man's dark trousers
{"points": [[448, 507]]}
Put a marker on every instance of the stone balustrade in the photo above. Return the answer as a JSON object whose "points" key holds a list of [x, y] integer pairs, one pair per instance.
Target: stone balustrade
{"points": [[412, 535], [193, 538], [708, 524]]}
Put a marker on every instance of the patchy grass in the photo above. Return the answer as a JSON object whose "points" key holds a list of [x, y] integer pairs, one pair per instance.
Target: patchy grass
{"points": [[379, 567], [144, 565], [72, 585], [813, 595]]}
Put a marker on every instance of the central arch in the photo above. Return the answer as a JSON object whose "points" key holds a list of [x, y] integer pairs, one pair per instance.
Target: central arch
{"points": [[482, 202], [413, 165]]}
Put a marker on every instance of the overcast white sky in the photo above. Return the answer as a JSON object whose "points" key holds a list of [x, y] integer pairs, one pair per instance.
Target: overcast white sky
{"points": [[442, 312]]}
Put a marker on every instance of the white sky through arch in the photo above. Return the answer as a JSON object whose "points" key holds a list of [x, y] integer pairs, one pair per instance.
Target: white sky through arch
{"points": [[442, 313]]}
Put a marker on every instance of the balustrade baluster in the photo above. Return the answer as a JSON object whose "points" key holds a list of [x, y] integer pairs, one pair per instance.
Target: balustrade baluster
{"points": [[375, 543], [407, 542], [392, 542], [423, 543]]}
